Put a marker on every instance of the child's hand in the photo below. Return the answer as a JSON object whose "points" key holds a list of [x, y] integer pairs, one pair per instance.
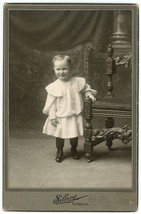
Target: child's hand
{"points": [[91, 97], [54, 122], [44, 111]]}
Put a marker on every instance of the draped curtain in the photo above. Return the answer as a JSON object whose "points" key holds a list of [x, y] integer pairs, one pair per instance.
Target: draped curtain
{"points": [[55, 30], [35, 36]]}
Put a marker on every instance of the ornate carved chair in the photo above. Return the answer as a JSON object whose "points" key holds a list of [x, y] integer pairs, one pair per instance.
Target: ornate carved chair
{"points": [[109, 107]]}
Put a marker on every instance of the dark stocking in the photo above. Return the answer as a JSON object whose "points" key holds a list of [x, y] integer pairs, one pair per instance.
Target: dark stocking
{"points": [[74, 144], [59, 146]]}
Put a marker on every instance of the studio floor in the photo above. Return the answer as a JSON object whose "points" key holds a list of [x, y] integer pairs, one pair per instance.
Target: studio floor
{"points": [[31, 164]]}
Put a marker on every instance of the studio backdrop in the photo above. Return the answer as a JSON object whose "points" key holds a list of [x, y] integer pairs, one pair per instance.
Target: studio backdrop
{"points": [[35, 37]]}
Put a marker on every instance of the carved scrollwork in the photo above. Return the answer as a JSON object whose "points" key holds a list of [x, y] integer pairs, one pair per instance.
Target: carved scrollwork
{"points": [[124, 134], [124, 61], [110, 66]]}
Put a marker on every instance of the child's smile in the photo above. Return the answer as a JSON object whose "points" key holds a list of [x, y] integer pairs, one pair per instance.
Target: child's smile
{"points": [[62, 69]]}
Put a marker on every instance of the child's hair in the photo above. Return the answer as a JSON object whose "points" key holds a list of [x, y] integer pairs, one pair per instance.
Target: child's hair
{"points": [[61, 57]]}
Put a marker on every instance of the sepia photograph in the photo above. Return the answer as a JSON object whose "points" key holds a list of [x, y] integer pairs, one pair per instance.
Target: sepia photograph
{"points": [[70, 107]]}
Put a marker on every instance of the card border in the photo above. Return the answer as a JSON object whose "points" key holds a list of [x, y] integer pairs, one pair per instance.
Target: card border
{"points": [[131, 193]]}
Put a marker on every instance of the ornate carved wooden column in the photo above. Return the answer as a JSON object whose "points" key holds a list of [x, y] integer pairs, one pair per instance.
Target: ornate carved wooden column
{"points": [[110, 70], [88, 147], [121, 38]]}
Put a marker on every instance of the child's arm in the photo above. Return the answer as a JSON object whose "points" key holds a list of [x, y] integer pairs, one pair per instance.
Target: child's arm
{"points": [[50, 106], [91, 96], [52, 115], [50, 109], [89, 92]]}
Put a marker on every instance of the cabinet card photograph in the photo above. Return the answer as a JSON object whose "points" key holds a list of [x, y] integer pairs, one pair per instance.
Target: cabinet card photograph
{"points": [[70, 107]]}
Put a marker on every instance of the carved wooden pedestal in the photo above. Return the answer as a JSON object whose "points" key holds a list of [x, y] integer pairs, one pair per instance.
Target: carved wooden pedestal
{"points": [[109, 111]]}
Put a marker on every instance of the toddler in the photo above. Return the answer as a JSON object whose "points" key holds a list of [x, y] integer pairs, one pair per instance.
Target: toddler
{"points": [[64, 106]]}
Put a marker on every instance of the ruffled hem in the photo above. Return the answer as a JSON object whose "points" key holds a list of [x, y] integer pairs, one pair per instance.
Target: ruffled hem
{"points": [[68, 127]]}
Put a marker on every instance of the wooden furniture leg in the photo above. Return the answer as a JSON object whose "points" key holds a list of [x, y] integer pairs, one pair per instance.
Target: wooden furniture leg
{"points": [[109, 123], [88, 147], [94, 137]]}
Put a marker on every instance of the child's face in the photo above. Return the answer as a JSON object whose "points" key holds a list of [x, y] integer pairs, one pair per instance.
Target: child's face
{"points": [[62, 69]]}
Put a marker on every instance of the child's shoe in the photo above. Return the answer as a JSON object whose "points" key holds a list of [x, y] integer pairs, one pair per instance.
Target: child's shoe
{"points": [[74, 153], [59, 156], [74, 144]]}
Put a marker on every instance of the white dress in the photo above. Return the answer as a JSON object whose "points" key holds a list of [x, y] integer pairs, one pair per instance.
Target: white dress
{"points": [[64, 102]]}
